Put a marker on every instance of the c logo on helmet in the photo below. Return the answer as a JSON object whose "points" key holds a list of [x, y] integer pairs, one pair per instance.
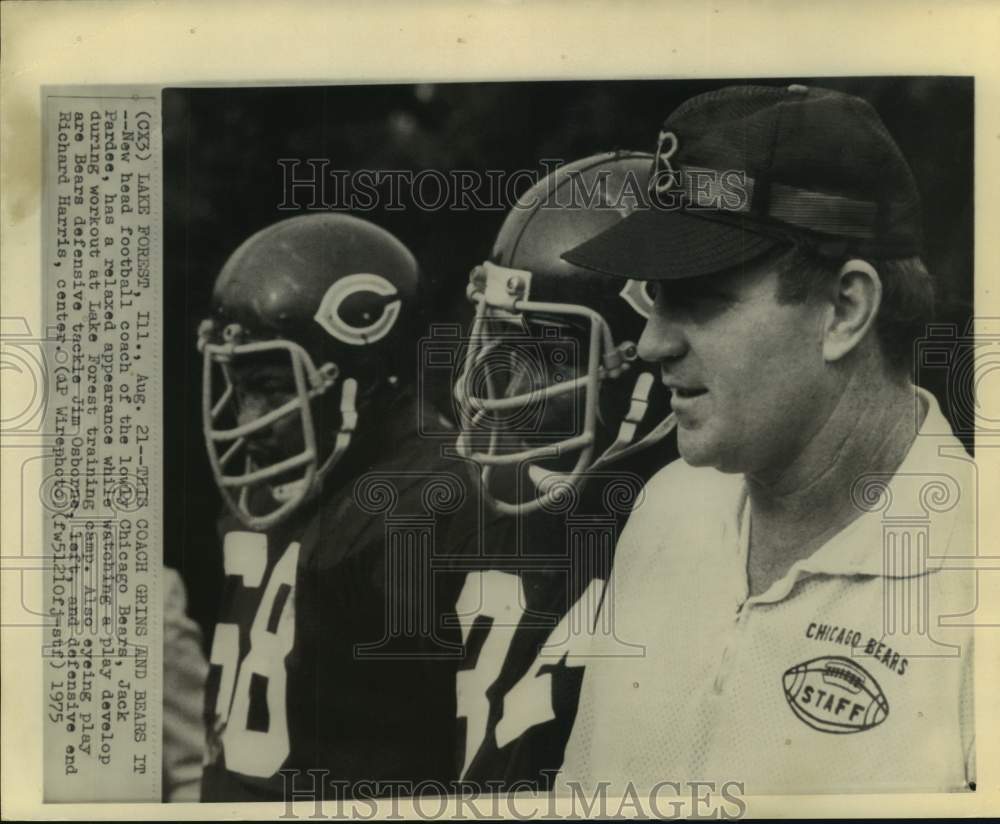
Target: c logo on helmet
{"points": [[635, 295], [382, 311]]}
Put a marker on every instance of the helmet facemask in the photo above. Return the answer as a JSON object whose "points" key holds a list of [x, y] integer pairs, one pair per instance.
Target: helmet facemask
{"points": [[290, 480], [492, 410]]}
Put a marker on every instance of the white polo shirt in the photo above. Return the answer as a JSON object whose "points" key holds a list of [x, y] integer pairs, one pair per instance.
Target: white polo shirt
{"points": [[846, 675]]}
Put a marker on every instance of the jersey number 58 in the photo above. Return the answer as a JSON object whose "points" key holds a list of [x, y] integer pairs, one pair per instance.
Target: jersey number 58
{"points": [[252, 751]]}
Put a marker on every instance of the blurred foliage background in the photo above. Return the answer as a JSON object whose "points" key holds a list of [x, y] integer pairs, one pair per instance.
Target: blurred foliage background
{"points": [[222, 182]]}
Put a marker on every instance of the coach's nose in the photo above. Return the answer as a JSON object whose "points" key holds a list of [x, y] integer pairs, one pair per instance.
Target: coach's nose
{"points": [[663, 338]]}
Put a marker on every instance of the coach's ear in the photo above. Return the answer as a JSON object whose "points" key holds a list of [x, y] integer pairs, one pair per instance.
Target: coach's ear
{"points": [[856, 297]]}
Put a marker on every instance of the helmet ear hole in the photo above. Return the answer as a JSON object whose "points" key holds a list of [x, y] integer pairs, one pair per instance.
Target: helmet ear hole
{"points": [[328, 374]]}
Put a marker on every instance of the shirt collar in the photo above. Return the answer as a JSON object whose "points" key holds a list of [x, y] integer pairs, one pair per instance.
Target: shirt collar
{"points": [[899, 508]]}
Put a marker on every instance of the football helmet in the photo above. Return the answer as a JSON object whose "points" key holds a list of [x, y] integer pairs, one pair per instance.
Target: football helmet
{"points": [[533, 312], [334, 298]]}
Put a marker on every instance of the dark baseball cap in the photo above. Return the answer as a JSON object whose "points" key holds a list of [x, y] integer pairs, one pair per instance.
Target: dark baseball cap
{"points": [[745, 170]]}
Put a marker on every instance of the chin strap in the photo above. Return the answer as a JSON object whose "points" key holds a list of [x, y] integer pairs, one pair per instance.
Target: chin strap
{"points": [[348, 423], [622, 447], [287, 492]]}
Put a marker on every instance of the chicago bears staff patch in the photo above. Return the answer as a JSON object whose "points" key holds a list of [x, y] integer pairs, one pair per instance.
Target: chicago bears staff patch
{"points": [[835, 694]]}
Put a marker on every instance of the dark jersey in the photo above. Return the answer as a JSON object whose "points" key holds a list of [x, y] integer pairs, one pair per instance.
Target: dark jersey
{"points": [[531, 590], [329, 654]]}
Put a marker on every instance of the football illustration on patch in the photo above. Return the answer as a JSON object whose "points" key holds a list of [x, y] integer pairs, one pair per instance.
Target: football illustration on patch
{"points": [[835, 694], [359, 309]]}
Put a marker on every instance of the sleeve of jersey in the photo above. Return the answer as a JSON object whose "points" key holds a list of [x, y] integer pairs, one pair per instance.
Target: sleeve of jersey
{"points": [[184, 673]]}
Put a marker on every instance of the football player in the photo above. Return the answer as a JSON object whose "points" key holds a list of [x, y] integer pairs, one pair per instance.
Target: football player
{"points": [[565, 426], [325, 657]]}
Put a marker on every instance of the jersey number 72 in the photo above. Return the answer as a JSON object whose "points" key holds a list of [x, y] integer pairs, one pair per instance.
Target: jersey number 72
{"points": [[500, 597]]}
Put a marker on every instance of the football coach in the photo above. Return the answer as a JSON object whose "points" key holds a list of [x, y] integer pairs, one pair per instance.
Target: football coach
{"points": [[795, 580]]}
